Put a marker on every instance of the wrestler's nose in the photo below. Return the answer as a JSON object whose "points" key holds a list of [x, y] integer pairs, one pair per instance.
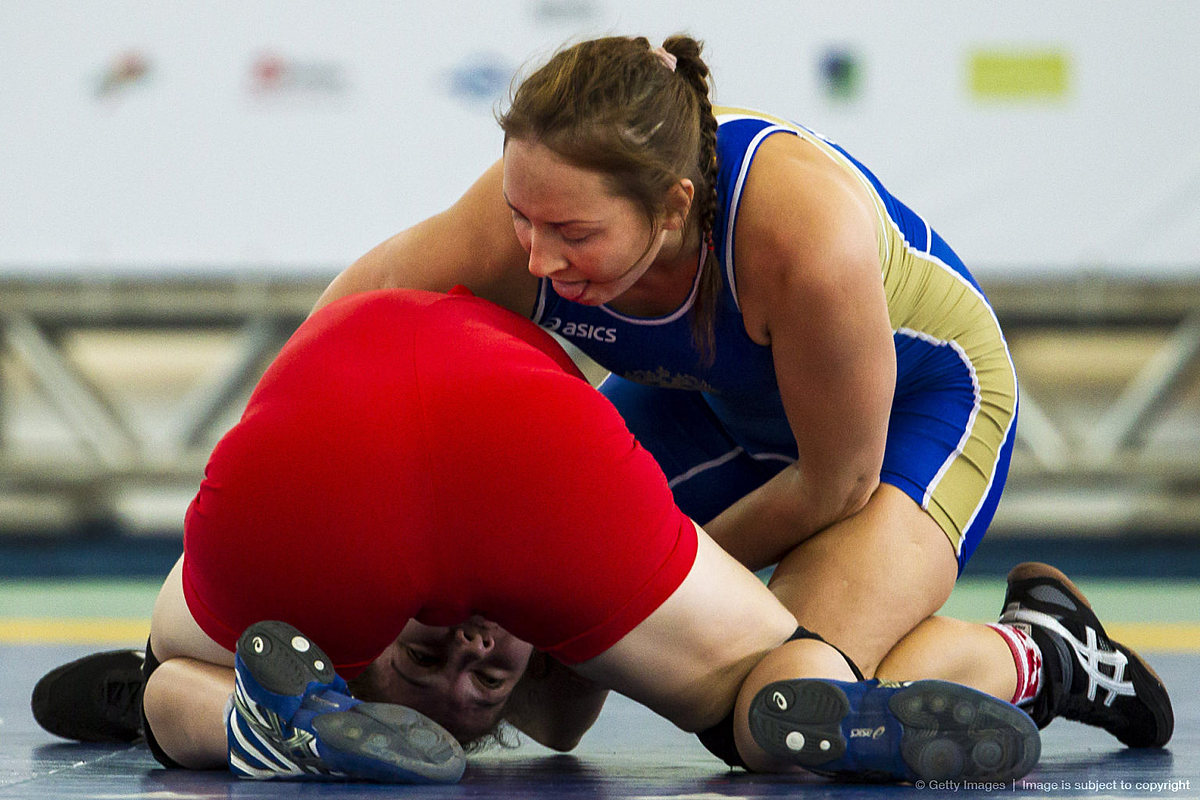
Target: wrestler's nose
{"points": [[545, 260], [475, 640]]}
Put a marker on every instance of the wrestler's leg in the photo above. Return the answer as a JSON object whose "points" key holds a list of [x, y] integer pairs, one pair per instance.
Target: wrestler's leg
{"points": [[185, 695], [691, 659], [1052, 639], [688, 659], [289, 701], [185, 701], [865, 582], [969, 653]]}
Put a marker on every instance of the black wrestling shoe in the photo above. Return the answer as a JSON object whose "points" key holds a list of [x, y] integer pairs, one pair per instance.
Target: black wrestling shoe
{"points": [[873, 731], [1086, 676], [97, 698]]}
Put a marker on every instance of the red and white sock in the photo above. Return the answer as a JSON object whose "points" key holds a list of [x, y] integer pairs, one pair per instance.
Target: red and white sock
{"points": [[1027, 657]]}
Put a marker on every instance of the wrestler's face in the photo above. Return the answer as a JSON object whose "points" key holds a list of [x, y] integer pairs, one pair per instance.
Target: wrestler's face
{"points": [[459, 676], [592, 244]]}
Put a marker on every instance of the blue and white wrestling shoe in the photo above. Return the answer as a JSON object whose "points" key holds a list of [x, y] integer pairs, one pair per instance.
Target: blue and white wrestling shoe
{"points": [[873, 731], [292, 718]]}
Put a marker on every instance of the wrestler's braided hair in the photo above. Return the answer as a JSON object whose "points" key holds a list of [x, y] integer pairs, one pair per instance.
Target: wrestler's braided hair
{"points": [[692, 68], [614, 106]]}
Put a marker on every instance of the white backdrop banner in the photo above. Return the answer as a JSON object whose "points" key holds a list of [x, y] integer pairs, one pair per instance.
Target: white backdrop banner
{"points": [[290, 136]]}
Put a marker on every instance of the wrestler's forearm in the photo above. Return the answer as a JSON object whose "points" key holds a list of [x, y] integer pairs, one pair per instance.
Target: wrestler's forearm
{"points": [[472, 243], [767, 523], [390, 265]]}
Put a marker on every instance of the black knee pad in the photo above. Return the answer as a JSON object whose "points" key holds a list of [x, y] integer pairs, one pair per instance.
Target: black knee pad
{"points": [[718, 739], [805, 633]]}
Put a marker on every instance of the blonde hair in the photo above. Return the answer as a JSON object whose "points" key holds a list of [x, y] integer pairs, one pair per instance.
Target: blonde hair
{"points": [[612, 105]]}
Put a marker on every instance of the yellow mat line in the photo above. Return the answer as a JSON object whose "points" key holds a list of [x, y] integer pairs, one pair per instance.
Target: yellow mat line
{"points": [[1178, 636], [1149, 636], [80, 630]]}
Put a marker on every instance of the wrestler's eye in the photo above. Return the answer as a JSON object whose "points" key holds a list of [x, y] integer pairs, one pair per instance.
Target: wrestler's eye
{"points": [[489, 681], [422, 658]]}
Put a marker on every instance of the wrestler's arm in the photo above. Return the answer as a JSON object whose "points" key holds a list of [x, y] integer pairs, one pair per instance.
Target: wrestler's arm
{"points": [[553, 705], [472, 243], [811, 287]]}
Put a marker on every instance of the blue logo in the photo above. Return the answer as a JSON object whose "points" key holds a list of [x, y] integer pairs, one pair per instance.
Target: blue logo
{"points": [[481, 78]]}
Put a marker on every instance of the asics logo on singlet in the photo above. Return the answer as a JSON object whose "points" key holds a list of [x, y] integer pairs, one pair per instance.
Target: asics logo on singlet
{"points": [[581, 330]]}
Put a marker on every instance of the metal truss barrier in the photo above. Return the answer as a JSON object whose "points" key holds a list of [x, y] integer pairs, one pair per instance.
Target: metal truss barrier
{"points": [[1110, 452], [1109, 433]]}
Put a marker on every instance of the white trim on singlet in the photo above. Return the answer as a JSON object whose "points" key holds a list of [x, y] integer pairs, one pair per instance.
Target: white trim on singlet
{"points": [[674, 315], [723, 459], [735, 197]]}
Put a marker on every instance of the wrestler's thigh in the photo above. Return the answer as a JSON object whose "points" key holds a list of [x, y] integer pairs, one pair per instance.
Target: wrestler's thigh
{"points": [[688, 658], [865, 582], [174, 632]]}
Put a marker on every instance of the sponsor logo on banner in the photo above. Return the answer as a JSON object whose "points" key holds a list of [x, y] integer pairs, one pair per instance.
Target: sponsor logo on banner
{"points": [[126, 70], [1019, 74], [559, 12], [841, 74], [481, 78], [275, 76]]}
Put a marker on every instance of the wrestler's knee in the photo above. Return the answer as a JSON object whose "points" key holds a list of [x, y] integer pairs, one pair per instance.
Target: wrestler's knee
{"points": [[182, 706]]}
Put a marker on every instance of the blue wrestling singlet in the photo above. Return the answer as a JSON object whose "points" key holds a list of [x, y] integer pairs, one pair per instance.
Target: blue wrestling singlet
{"points": [[719, 430]]}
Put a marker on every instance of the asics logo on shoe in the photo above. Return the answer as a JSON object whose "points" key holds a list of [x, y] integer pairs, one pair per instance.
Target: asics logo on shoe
{"points": [[1093, 659], [780, 701], [866, 733], [260, 746], [1091, 656], [295, 741]]}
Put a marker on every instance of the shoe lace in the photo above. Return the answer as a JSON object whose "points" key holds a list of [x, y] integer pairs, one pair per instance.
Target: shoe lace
{"points": [[122, 698]]}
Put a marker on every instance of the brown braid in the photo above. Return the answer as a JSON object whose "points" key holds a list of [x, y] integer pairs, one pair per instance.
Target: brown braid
{"points": [[693, 69]]}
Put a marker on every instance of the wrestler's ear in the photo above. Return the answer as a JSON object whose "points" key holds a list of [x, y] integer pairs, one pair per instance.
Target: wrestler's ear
{"points": [[679, 203]]}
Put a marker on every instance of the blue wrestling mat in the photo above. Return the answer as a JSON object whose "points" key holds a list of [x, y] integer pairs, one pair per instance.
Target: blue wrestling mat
{"points": [[630, 753]]}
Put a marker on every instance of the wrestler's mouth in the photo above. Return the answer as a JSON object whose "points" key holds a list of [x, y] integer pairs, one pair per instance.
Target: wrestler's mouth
{"points": [[570, 290]]}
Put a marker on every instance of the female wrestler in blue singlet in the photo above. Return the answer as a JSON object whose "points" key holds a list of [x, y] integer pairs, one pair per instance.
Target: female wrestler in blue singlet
{"points": [[952, 419], [823, 382]]}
